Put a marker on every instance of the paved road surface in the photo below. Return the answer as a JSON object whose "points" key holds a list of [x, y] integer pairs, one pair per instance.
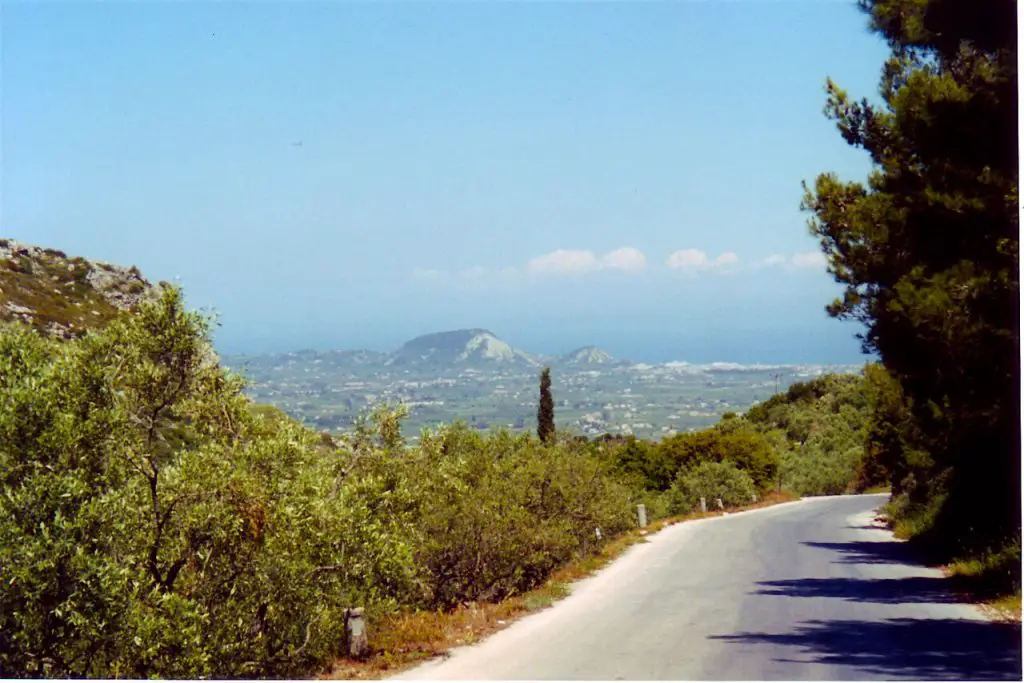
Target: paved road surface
{"points": [[807, 590]]}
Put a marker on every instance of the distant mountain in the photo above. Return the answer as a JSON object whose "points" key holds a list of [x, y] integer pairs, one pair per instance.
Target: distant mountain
{"points": [[361, 357], [459, 348], [588, 355]]}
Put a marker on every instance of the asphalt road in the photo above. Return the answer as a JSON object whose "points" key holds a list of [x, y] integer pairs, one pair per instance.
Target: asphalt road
{"points": [[808, 590]]}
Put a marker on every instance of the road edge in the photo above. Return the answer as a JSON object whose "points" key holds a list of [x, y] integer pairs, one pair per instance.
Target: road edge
{"points": [[398, 650]]}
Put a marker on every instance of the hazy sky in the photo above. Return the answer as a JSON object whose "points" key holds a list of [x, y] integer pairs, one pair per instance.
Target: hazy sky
{"points": [[353, 174]]}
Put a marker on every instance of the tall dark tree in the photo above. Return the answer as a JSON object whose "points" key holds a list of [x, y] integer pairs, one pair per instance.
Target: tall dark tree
{"points": [[927, 250], [546, 409]]}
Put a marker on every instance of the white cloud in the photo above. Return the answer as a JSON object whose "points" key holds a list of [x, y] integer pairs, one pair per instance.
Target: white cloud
{"points": [[693, 260], [564, 261], [626, 258], [561, 261], [688, 259], [727, 259], [771, 261], [584, 260], [811, 259]]}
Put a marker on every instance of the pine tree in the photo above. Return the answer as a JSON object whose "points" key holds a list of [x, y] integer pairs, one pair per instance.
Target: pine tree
{"points": [[546, 409], [927, 250]]}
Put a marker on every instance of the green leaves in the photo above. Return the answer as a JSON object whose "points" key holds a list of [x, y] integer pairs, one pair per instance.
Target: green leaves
{"points": [[147, 518], [545, 408], [501, 512], [712, 481], [928, 254]]}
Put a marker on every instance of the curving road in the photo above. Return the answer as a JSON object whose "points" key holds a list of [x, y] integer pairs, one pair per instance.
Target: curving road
{"points": [[807, 590]]}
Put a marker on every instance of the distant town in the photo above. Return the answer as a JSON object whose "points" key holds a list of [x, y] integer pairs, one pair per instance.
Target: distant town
{"points": [[473, 376]]}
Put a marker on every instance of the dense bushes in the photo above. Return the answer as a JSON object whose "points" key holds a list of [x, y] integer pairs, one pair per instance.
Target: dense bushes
{"points": [[513, 510], [819, 429], [812, 439], [732, 441], [711, 481], [150, 526], [655, 466], [152, 523]]}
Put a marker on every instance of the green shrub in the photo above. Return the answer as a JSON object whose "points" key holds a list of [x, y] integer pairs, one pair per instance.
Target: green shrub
{"points": [[658, 504], [150, 526], [735, 441], [711, 480], [504, 511]]}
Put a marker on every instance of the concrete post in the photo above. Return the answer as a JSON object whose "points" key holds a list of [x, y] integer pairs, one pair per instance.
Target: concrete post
{"points": [[753, 498], [597, 532], [641, 515], [355, 633], [703, 504], [719, 501]]}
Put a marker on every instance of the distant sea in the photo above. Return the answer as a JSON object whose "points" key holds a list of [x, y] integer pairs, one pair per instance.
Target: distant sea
{"points": [[832, 343]]}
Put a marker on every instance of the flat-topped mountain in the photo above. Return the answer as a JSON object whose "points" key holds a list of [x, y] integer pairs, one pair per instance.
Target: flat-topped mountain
{"points": [[63, 295], [459, 347]]}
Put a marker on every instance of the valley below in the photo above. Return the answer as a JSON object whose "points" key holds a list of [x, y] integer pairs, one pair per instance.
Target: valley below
{"points": [[473, 376]]}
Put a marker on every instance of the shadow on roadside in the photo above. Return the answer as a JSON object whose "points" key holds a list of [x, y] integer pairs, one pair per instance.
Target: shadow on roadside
{"points": [[918, 649], [870, 552], [917, 589]]}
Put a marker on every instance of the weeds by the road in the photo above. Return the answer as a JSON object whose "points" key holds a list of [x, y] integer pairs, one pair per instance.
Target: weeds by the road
{"points": [[989, 579], [992, 579], [403, 640]]}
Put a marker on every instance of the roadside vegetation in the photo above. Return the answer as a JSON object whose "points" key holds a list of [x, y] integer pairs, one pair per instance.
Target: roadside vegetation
{"points": [[155, 522]]}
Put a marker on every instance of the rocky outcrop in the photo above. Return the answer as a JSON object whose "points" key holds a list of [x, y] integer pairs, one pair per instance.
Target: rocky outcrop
{"points": [[588, 355], [61, 295]]}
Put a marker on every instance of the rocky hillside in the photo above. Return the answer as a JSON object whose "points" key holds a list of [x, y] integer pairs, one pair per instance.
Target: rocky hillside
{"points": [[588, 355], [63, 295]]}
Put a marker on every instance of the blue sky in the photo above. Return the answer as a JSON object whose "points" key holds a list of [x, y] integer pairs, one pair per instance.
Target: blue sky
{"points": [[353, 174]]}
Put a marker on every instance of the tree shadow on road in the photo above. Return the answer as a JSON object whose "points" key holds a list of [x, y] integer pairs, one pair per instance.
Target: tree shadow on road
{"points": [[870, 552], [917, 589], [918, 649]]}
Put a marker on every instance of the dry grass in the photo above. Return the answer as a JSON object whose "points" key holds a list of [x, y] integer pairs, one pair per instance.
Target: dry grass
{"points": [[1005, 608], [53, 293], [401, 641], [989, 580]]}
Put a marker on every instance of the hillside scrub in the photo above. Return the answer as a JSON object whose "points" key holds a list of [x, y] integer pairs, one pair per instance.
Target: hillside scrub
{"points": [[812, 439], [712, 481], [819, 430], [154, 523], [150, 526], [655, 466], [819, 437]]}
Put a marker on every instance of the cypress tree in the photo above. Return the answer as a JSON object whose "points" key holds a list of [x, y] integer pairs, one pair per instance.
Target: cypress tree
{"points": [[546, 409]]}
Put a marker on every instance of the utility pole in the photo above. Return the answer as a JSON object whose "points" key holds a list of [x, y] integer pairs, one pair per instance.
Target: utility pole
{"points": [[776, 376]]}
